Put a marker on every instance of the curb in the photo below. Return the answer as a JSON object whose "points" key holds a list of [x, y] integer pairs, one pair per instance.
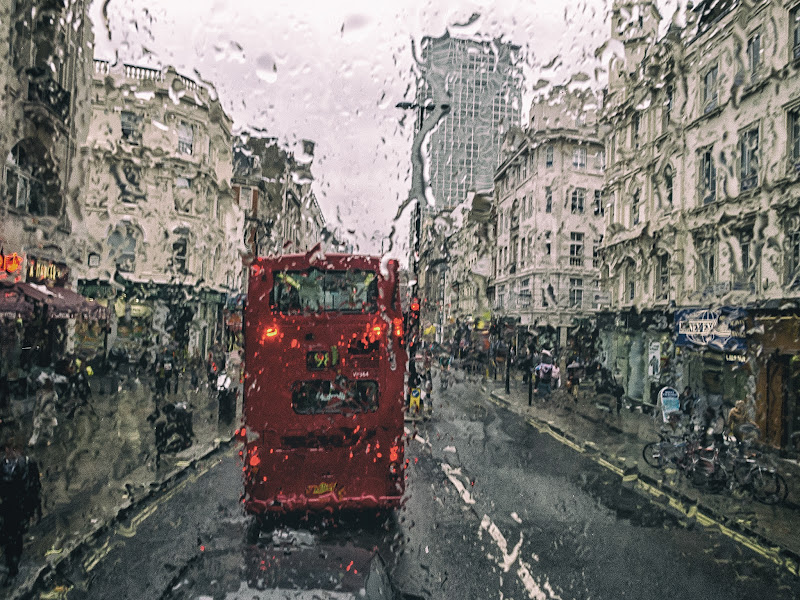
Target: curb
{"points": [[27, 588], [785, 557]]}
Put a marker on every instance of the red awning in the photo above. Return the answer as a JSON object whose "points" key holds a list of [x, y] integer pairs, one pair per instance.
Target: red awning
{"points": [[13, 303], [63, 303]]}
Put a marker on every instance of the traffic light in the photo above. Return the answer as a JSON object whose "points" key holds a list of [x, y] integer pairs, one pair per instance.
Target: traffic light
{"points": [[413, 319]]}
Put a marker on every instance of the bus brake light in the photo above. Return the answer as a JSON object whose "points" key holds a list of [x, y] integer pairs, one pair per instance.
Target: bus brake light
{"points": [[398, 327]]}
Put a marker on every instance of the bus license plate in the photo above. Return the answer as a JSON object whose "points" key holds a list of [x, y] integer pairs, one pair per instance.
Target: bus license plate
{"points": [[318, 360]]}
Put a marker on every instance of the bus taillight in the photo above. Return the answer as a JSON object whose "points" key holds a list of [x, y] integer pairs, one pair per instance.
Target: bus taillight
{"points": [[398, 326], [269, 333]]}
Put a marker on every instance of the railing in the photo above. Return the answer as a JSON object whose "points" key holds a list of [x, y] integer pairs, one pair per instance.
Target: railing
{"points": [[190, 84], [142, 73], [102, 67], [43, 89]]}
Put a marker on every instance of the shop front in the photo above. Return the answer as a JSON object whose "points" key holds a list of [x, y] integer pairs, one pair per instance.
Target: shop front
{"points": [[778, 380], [712, 356]]}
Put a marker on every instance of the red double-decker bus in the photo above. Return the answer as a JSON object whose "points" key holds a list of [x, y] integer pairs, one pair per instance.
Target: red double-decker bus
{"points": [[323, 402]]}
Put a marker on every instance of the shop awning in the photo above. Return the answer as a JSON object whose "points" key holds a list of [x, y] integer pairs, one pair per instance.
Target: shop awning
{"points": [[13, 303], [63, 303]]}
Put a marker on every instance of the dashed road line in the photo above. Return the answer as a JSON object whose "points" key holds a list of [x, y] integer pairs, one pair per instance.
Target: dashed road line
{"points": [[507, 559]]}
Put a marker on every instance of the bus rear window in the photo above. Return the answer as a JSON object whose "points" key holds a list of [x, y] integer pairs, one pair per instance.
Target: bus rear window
{"points": [[334, 397], [315, 290]]}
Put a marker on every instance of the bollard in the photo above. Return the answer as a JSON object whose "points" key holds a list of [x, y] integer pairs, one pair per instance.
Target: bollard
{"points": [[508, 373], [530, 386]]}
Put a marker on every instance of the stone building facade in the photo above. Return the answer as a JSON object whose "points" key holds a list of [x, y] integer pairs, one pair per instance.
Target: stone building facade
{"points": [[702, 251], [549, 219], [45, 70], [161, 236]]}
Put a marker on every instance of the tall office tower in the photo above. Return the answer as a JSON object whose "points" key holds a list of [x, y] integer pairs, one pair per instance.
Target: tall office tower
{"points": [[482, 84]]}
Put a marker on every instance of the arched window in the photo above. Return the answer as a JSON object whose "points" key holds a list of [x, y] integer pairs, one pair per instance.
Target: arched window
{"points": [[668, 185]]}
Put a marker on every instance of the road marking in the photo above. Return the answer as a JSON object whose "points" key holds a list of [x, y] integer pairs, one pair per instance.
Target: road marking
{"points": [[770, 553], [508, 559], [462, 490]]}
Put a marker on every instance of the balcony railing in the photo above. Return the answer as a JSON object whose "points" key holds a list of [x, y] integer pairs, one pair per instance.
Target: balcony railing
{"points": [[45, 90]]}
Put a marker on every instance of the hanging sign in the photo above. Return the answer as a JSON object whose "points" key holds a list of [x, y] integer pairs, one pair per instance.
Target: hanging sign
{"points": [[10, 264], [722, 329], [47, 272]]}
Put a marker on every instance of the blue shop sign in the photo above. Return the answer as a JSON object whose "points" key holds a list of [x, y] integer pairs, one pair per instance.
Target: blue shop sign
{"points": [[722, 329]]}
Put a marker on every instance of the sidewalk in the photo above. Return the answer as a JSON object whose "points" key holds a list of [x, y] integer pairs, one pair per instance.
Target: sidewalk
{"points": [[619, 439], [100, 464]]}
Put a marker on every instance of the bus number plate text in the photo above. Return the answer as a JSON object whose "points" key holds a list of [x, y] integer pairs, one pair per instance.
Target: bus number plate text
{"points": [[318, 360]]}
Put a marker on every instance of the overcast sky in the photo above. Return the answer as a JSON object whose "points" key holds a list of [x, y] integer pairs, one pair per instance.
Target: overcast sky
{"points": [[333, 73]]}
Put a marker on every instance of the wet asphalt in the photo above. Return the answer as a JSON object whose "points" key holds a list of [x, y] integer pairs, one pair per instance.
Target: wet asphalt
{"points": [[494, 509]]}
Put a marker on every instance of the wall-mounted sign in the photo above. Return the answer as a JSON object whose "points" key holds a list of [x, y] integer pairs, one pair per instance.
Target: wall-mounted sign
{"points": [[670, 402], [47, 272], [11, 263], [94, 260], [722, 329]]}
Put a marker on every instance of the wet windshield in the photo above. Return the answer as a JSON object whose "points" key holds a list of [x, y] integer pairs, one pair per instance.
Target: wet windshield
{"points": [[420, 299]]}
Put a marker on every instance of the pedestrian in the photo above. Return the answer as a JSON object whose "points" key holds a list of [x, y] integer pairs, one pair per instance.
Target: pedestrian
{"points": [[713, 426], [20, 495], [556, 376], [44, 414], [687, 401], [161, 380], [737, 419], [544, 374]]}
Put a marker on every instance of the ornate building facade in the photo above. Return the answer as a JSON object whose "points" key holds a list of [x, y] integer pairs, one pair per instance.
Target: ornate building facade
{"points": [[161, 236], [702, 246], [549, 219]]}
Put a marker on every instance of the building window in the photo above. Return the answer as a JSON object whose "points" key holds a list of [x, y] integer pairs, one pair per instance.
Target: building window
{"points": [[795, 24], [668, 185], [708, 177], [548, 199], [185, 137], [794, 137], [666, 116], [706, 264], [600, 160], [548, 294], [549, 152], [579, 158], [525, 293], [710, 94], [547, 243], [596, 252], [179, 262], [18, 180], [748, 149], [575, 293], [663, 277], [599, 209], [635, 217], [635, 130], [131, 124], [754, 54], [793, 253], [630, 282], [576, 249], [578, 199]]}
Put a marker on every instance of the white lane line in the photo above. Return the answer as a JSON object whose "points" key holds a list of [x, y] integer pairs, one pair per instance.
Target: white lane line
{"points": [[535, 591], [463, 491], [416, 436]]}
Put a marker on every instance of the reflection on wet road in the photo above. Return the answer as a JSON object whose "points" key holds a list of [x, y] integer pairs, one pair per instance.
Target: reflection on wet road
{"points": [[495, 509]]}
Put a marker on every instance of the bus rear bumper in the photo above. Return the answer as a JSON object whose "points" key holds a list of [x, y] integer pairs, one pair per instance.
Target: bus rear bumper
{"points": [[322, 503]]}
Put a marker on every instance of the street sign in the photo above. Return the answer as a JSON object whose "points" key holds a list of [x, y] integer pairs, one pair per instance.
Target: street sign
{"points": [[670, 402]]}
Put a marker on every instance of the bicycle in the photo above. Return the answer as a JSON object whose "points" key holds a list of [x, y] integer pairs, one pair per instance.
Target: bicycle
{"points": [[763, 482], [668, 449]]}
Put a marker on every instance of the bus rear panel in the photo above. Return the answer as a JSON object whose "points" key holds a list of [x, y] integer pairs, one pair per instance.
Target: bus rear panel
{"points": [[324, 375]]}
